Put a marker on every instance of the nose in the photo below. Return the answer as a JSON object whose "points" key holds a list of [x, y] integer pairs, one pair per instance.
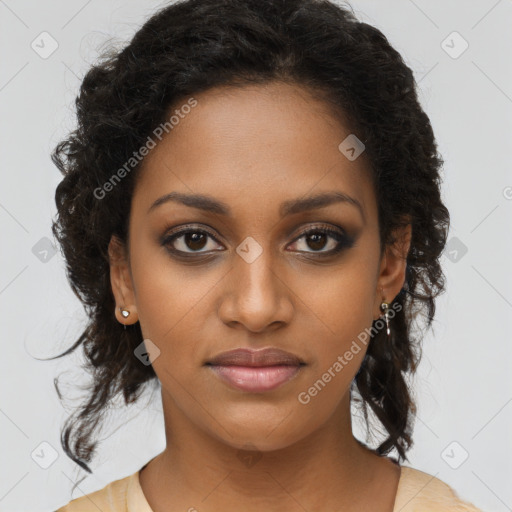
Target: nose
{"points": [[256, 295]]}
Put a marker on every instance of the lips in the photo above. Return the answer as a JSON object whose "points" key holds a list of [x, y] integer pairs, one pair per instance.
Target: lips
{"points": [[255, 371], [262, 357]]}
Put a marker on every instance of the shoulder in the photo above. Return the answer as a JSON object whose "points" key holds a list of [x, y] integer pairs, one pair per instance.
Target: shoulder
{"points": [[112, 498], [422, 492]]}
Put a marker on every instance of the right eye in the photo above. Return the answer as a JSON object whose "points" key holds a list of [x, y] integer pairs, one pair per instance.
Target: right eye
{"points": [[188, 238]]}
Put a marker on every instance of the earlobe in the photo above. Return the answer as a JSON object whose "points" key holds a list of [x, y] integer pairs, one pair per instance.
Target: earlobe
{"points": [[120, 280], [126, 315]]}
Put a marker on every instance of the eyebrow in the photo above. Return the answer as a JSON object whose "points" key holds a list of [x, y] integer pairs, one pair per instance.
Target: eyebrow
{"points": [[290, 207]]}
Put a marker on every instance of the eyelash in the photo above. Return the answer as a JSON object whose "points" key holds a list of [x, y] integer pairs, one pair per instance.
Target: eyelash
{"points": [[344, 241]]}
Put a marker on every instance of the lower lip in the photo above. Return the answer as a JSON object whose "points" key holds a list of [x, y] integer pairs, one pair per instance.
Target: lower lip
{"points": [[256, 379]]}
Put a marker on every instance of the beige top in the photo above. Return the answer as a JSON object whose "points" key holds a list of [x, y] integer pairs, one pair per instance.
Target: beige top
{"points": [[417, 492]]}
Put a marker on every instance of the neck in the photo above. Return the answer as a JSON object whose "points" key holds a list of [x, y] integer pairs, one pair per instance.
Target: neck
{"points": [[328, 466]]}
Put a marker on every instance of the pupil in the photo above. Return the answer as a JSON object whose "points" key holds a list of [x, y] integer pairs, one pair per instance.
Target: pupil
{"points": [[315, 240], [194, 238]]}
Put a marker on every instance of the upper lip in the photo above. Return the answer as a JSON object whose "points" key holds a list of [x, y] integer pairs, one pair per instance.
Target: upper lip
{"points": [[249, 357]]}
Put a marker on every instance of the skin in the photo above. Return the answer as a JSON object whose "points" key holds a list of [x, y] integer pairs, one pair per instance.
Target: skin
{"points": [[253, 148]]}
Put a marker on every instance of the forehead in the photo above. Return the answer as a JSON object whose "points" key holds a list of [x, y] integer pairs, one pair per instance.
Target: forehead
{"points": [[253, 147]]}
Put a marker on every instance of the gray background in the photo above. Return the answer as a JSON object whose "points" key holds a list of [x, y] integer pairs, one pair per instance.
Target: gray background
{"points": [[463, 386]]}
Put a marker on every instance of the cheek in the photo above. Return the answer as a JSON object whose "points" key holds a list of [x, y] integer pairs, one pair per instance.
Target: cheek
{"points": [[342, 302], [158, 282], [173, 304], [338, 355], [338, 314], [338, 303]]}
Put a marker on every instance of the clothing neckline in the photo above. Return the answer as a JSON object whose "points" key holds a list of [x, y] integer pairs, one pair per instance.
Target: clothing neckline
{"points": [[137, 502]]}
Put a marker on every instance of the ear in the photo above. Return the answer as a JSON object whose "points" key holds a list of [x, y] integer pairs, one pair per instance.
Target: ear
{"points": [[392, 269], [121, 281]]}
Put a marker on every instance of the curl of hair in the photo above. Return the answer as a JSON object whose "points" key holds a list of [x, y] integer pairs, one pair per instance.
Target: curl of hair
{"points": [[191, 46]]}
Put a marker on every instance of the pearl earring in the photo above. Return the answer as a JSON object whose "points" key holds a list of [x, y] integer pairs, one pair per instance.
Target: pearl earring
{"points": [[125, 312], [385, 307]]}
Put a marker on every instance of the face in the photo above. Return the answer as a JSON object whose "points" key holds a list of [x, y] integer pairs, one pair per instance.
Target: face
{"points": [[255, 270]]}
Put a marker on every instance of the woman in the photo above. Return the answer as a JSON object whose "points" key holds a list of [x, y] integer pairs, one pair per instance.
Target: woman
{"points": [[251, 213]]}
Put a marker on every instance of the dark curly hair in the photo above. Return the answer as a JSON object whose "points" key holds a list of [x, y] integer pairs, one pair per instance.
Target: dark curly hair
{"points": [[191, 46]]}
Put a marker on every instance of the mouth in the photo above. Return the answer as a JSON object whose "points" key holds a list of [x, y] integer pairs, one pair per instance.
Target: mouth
{"points": [[255, 379], [256, 371]]}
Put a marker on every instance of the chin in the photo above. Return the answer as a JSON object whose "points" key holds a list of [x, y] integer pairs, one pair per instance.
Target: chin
{"points": [[261, 436]]}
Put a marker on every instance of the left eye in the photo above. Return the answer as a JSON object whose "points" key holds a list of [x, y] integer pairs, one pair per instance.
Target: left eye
{"points": [[317, 239]]}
